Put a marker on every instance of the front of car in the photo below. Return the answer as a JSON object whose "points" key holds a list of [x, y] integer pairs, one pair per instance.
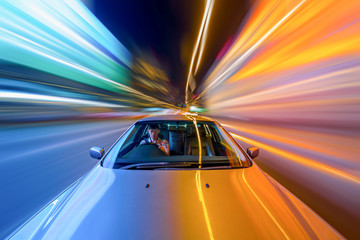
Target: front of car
{"points": [[207, 188], [193, 142]]}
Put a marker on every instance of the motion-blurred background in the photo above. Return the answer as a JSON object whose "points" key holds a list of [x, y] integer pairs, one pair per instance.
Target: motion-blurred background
{"points": [[279, 75]]}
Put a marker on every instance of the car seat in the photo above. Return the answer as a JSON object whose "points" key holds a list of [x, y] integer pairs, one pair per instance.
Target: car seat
{"points": [[192, 143], [176, 139]]}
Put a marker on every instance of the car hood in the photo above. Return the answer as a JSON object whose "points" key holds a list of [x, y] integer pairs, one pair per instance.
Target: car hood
{"points": [[181, 204]]}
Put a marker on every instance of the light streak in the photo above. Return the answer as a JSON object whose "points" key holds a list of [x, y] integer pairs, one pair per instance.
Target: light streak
{"points": [[31, 37], [304, 141], [204, 34], [299, 159], [292, 89], [201, 39], [63, 38], [311, 38], [202, 200], [25, 97], [198, 137], [263, 205], [290, 84], [248, 53], [199, 142]]}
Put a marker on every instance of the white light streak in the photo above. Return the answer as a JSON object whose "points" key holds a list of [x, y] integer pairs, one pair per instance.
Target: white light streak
{"points": [[19, 96]]}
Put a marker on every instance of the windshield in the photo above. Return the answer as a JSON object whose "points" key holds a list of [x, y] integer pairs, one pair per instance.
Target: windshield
{"points": [[176, 144]]}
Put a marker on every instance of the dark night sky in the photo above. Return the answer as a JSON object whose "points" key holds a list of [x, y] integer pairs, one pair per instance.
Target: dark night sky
{"points": [[169, 28]]}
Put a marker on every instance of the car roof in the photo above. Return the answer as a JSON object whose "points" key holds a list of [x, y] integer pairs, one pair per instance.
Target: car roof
{"points": [[175, 118]]}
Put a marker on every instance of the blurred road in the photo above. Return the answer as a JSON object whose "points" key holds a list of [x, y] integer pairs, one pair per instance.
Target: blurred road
{"points": [[38, 161], [320, 165]]}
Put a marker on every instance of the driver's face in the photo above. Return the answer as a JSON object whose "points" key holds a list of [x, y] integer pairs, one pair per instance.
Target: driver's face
{"points": [[154, 134]]}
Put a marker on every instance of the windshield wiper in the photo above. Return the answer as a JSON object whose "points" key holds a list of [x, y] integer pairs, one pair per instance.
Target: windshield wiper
{"points": [[155, 165]]}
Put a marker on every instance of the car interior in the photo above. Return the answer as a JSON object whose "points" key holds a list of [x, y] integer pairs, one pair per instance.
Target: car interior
{"points": [[184, 145], [183, 139]]}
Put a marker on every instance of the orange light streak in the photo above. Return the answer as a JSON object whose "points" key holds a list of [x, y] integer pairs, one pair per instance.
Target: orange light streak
{"points": [[282, 38], [300, 142], [263, 205], [299, 159]]}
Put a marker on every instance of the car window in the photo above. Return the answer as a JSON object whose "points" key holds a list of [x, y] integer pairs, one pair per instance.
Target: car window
{"points": [[176, 144], [136, 131]]}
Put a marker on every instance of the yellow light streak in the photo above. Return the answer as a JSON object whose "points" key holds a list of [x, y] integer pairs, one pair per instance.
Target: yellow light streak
{"points": [[199, 142], [202, 200], [263, 205], [204, 23], [204, 35], [198, 137]]}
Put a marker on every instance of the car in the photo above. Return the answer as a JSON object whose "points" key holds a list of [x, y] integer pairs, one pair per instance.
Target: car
{"points": [[204, 186]]}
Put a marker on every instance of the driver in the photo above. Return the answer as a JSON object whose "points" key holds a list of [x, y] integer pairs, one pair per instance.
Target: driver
{"points": [[154, 131]]}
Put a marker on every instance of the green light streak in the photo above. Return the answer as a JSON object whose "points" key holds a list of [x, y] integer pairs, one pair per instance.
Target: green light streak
{"points": [[65, 39]]}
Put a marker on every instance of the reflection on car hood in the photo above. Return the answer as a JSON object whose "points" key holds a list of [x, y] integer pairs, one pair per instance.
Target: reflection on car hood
{"points": [[182, 204]]}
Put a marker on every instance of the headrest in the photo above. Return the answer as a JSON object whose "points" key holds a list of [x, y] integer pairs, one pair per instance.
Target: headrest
{"points": [[174, 127], [181, 127], [189, 130]]}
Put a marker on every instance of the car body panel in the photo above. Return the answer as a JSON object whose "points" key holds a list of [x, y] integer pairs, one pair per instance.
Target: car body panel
{"points": [[182, 204]]}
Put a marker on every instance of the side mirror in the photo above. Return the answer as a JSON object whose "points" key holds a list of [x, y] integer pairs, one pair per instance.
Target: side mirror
{"points": [[97, 152], [253, 152]]}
